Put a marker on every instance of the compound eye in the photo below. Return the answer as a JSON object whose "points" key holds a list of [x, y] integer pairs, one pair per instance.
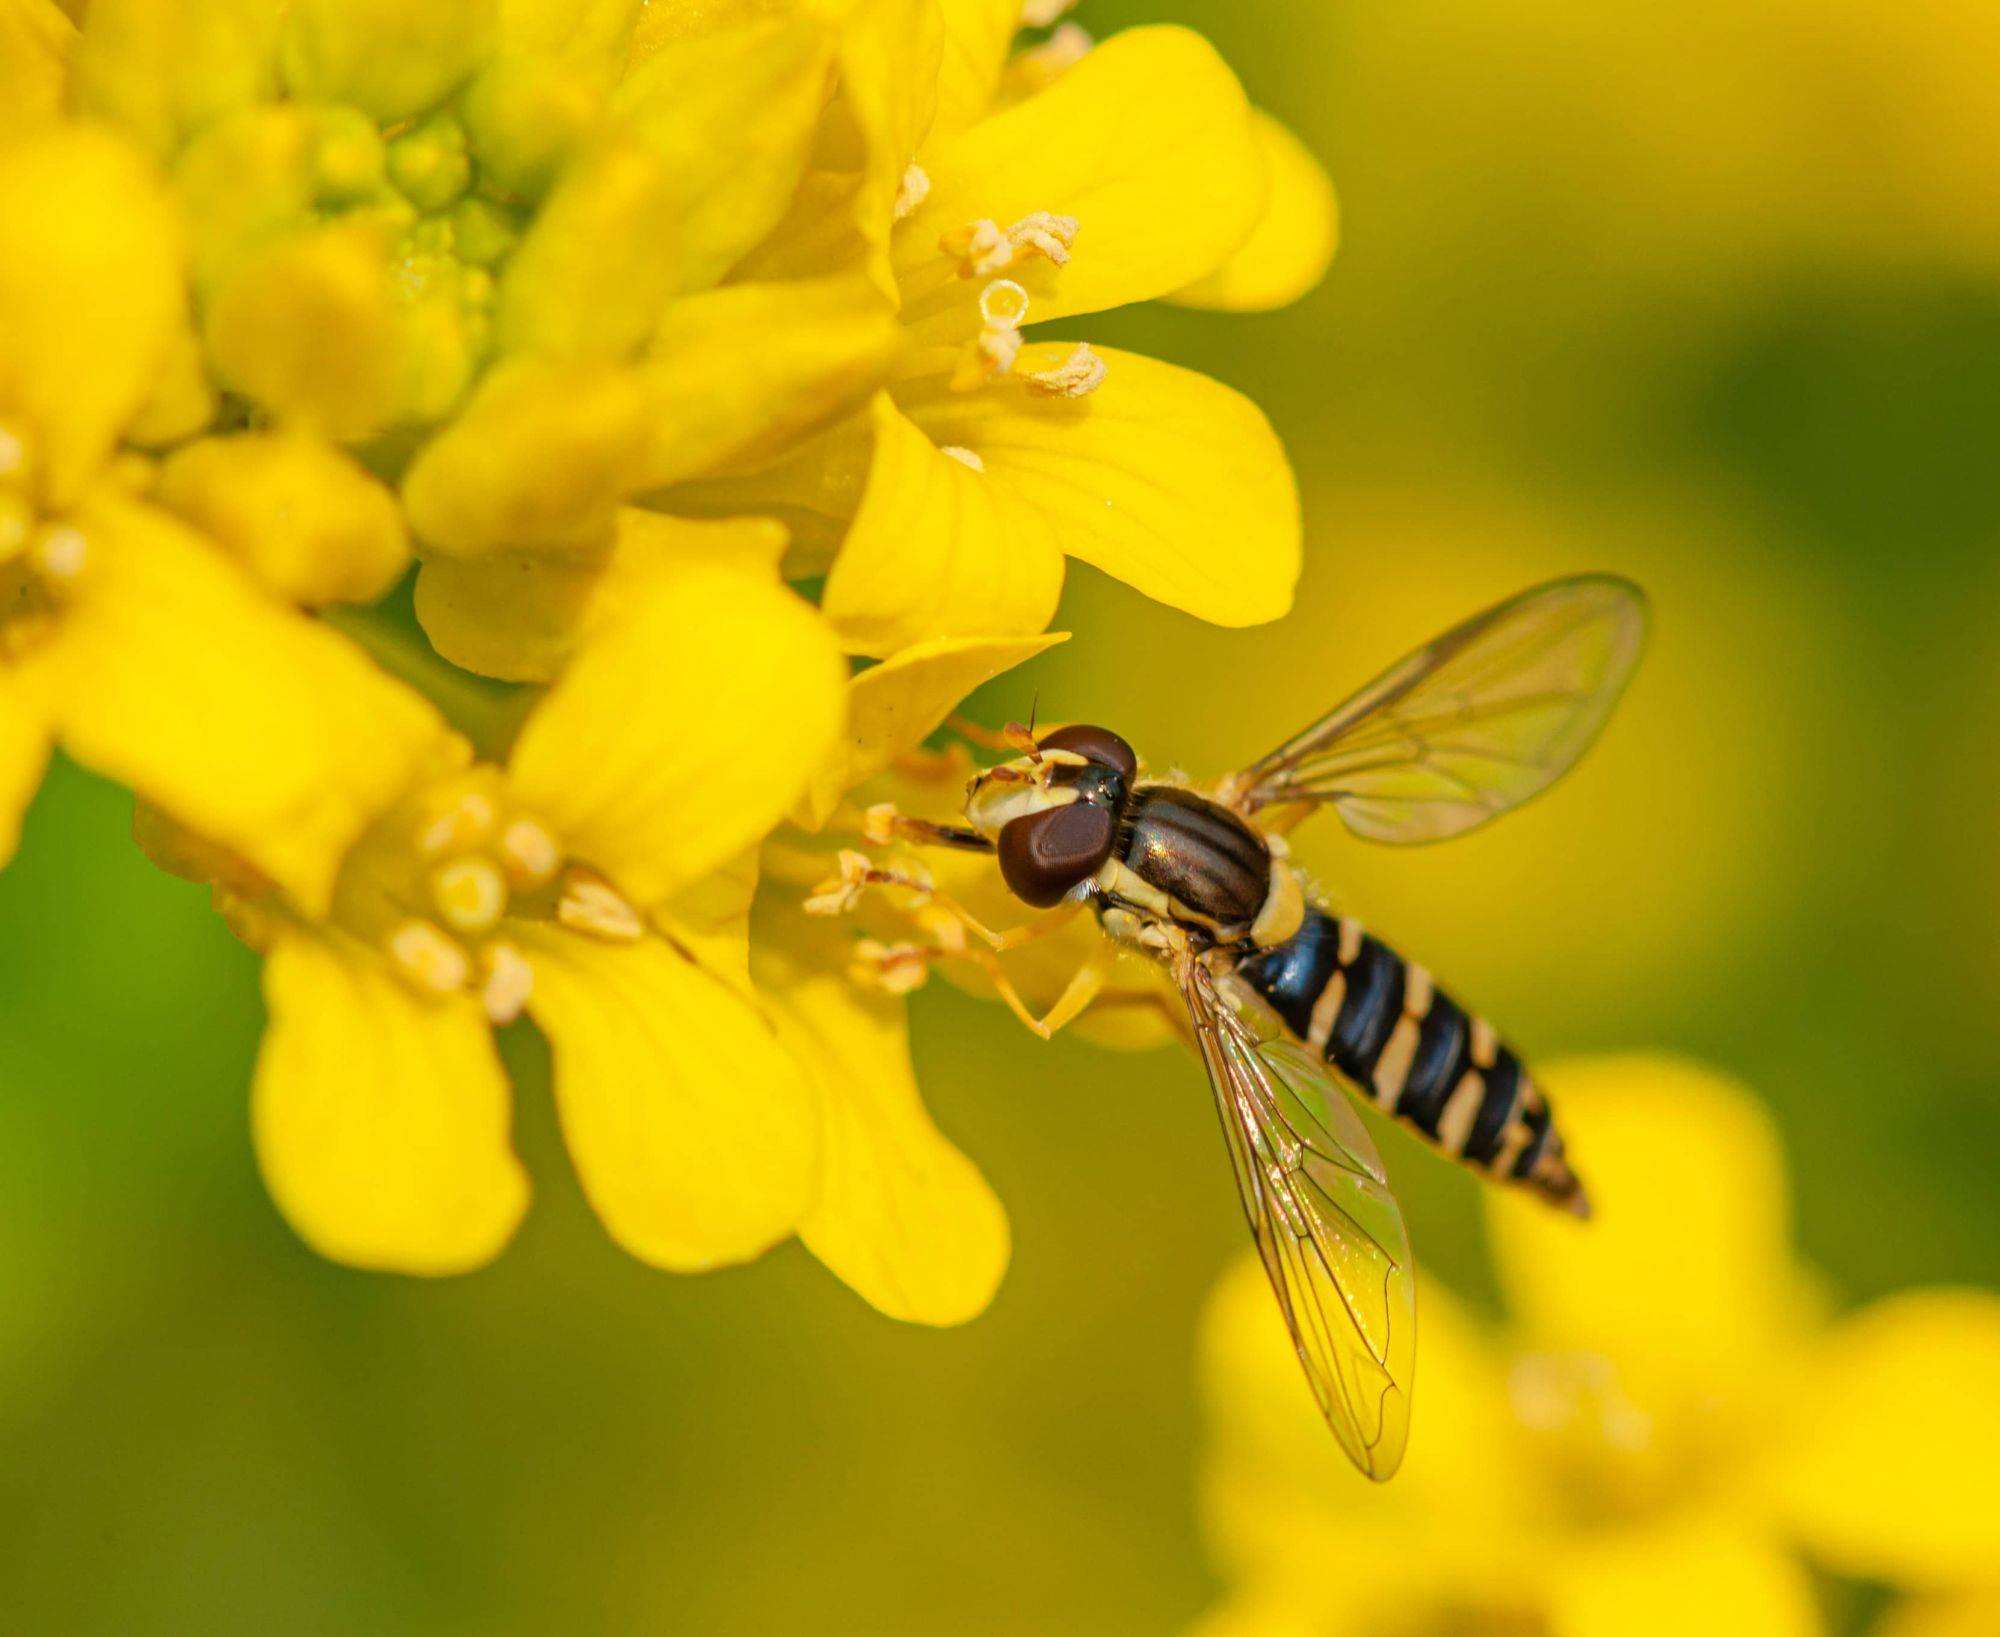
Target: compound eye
{"points": [[1043, 855], [1093, 744]]}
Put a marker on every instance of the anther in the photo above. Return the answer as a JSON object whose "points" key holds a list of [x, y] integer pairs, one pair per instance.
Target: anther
{"points": [[464, 823], [590, 904], [1077, 376], [896, 968], [984, 247], [506, 982], [470, 894], [912, 191], [428, 958], [13, 453], [1042, 65], [1041, 13], [60, 551], [1003, 309], [963, 455], [529, 854], [841, 891]]}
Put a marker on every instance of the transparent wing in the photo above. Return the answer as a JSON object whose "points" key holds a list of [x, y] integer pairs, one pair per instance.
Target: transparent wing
{"points": [[1327, 1227], [1472, 724]]}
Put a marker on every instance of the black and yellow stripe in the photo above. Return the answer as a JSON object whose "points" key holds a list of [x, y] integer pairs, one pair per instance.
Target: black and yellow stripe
{"points": [[1414, 1051]]}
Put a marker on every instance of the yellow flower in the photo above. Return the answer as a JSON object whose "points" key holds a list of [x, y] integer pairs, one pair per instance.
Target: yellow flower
{"points": [[600, 880], [1667, 1420], [986, 203], [125, 636]]}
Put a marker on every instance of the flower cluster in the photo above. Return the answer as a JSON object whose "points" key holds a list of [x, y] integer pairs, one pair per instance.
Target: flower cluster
{"points": [[676, 352], [1670, 1418]]}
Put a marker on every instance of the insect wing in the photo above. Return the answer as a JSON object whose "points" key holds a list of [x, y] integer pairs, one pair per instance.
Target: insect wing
{"points": [[1472, 724], [1325, 1224]]}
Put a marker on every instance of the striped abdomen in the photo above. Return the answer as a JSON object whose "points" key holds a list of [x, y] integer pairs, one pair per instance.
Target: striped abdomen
{"points": [[1420, 1056]]}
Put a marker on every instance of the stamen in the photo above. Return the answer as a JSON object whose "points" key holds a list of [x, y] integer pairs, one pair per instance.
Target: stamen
{"points": [[507, 982], [428, 958], [1042, 65], [462, 824], [913, 190], [529, 854], [983, 248], [840, 892], [963, 455], [470, 894], [1077, 376], [590, 904], [1003, 309], [896, 968], [1041, 13], [60, 551]]}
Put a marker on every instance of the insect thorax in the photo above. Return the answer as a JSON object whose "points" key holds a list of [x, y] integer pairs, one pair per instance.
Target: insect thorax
{"points": [[1187, 858]]}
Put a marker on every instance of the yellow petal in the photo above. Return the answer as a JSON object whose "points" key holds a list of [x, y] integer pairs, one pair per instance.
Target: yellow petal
{"points": [[1678, 1297], [1888, 1471], [1716, 1575], [902, 1216], [388, 57], [709, 919], [594, 271], [891, 707], [685, 727], [1161, 478], [257, 728], [938, 550], [1147, 142], [24, 753], [741, 371], [307, 328], [302, 517], [381, 1117], [588, 37], [977, 37], [730, 114], [693, 1133], [515, 616], [542, 457], [1290, 248], [1972, 1614], [91, 288], [165, 68], [36, 41]]}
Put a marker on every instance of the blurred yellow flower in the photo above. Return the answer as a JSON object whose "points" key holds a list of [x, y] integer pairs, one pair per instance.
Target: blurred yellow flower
{"points": [[1666, 1423], [600, 881], [123, 635], [1117, 173]]}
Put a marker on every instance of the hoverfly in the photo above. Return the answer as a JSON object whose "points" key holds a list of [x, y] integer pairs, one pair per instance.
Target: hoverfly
{"points": [[1285, 1000]]}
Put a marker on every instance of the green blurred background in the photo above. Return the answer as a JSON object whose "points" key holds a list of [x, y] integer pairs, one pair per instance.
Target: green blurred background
{"points": [[1707, 296]]}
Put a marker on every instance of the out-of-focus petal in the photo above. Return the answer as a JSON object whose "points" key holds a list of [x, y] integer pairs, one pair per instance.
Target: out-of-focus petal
{"points": [[591, 38], [90, 285], [892, 706], [902, 1216], [1970, 1614], [730, 114], [1160, 477], [693, 1132], [741, 371], [1683, 1277], [591, 276], [388, 57], [24, 751], [257, 728], [36, 41], [307, 327], [543, 457], [687, 725], [938, 549], [302, 517], [977, 37], [511, 615], [165, 68], [1290, 248], [1147, 142], [1284, 1506], [380, 1116], [1708, 1573], [709, 919], [1888, 1469]]}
